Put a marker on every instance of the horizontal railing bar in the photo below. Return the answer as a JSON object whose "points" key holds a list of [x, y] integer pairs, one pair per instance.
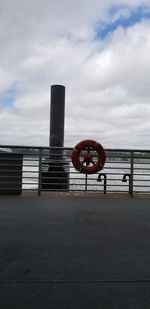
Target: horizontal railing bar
{"points": [[18, 178], [108, 184], [30, 165], [142, 192], [29, 172], [116, 168], [10, 165], [29, 189], [142, 161], [100, 191], [56, 190], [52, 172], [71, 148], [35, 183], [141, 174], [53, 178], [141, 179], [32, 159], [11, 160], [30, 177], [118, 162], [116, 185], [34, 147], [140, 186], [27, 154], [121, 173], [143, 169]]}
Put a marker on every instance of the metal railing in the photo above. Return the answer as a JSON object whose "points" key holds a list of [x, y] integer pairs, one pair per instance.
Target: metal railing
{"points": [[42, 169]]}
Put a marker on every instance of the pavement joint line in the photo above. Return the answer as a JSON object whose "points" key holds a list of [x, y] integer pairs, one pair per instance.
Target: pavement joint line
{"points": [[76, 281]]}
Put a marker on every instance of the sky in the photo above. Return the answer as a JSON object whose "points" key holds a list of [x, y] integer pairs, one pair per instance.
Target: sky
{"points": [[99, 50]]}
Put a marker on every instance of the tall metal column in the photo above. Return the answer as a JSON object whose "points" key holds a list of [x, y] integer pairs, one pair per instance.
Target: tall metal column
{"points": [[56, 177], [57, 116]]}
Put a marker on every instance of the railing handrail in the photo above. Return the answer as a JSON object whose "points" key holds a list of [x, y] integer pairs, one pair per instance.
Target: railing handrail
{"points": [[70, 148]]}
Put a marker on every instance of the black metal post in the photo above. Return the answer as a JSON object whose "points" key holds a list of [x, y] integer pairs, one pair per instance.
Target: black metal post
{"points": [[131, 172], [56, 178], [86, 178], [57, 116], [40, 171]]}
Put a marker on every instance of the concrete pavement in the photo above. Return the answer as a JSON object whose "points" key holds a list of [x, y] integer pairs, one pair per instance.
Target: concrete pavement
{"points": [[74, 252]]}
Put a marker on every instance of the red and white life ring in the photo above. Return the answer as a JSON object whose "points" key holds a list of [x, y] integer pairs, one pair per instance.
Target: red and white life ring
{"points": [[88, 157]]}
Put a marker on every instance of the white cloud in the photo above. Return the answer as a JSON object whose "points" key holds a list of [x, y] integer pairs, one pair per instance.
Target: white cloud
{"points": [[107, 81]]}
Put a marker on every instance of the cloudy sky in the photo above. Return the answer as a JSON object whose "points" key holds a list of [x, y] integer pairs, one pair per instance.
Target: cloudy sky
{"points": [[98, 49]]}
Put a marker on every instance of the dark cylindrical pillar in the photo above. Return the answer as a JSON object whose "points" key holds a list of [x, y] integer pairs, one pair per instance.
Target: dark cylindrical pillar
{"points": [[57, 115], [56, 177]]}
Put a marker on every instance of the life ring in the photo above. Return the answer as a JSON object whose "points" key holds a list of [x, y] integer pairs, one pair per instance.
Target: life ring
{"points": [[88, 157]]}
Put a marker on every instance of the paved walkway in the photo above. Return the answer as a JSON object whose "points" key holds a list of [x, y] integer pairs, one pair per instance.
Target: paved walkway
{"points": [[74, 252]]}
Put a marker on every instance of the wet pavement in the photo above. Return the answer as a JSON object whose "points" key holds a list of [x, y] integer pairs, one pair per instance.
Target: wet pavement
{"points": [[74, 252]]}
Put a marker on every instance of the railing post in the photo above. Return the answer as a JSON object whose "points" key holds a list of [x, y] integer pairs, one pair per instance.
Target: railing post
{"points": [[86, 178], [40, 171], [131, 173], [105, 183]]}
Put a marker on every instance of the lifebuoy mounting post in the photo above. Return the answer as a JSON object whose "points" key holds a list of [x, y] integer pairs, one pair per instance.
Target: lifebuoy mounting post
{"points": [[88, 157]]}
